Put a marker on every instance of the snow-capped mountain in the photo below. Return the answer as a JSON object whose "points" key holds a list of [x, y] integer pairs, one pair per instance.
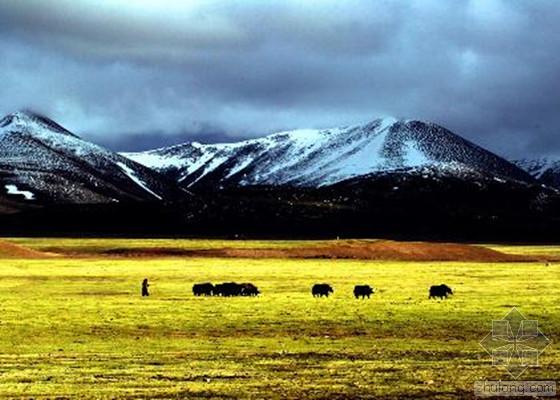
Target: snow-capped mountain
{"points": [[388, 177], [316, 158], [40, 161], [545, 170]]}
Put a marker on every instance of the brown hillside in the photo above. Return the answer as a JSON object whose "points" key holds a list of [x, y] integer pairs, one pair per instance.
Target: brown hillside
{"points": [[11, 250], [344, 249], [379, 250]]}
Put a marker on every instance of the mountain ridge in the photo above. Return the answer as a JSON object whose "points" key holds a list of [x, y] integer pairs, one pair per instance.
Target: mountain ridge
{"points": [[313, 157], [45, 162], [387, 178]]}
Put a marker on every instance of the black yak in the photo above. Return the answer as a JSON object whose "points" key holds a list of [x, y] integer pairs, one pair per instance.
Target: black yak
{"points": [[441, 291], [203, 289], [248, 289], [219, 289], [363, 291], [321, 289], [227, 289]]}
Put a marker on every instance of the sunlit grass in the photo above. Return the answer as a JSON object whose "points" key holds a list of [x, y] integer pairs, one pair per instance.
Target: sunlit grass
{"points": [[78, 327], [92, 245]]}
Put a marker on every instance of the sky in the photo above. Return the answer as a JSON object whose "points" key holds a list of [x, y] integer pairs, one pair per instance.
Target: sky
{"points": [[140, 74]]}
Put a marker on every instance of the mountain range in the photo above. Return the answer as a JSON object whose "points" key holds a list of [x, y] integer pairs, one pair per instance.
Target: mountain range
{"points": [[389, 176], [315, 158]]}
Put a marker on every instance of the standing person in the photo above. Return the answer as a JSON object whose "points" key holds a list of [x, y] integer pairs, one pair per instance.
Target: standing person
{"points": [[145, 286]]}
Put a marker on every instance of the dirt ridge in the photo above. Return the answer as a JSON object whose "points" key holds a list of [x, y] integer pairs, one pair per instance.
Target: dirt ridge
{"points": [[345, 249], [12, 250]]}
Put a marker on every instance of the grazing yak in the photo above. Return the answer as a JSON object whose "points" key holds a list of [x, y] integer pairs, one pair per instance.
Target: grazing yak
{"points": [[203, 289], [248, 289], [218, 289], [441, 291], [363, 291], [230, 289], [321, 289], [227, 289]]}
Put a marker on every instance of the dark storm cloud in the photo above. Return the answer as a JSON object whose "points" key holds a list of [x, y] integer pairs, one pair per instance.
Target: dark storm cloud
{"points": [[114, 70], [154, 140]]}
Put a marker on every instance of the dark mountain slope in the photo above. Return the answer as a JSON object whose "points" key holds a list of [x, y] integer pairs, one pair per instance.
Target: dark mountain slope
{"points": [[545, 170], [41, 162]]}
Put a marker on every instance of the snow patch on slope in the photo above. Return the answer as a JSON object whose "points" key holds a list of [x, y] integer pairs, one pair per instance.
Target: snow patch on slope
{"points": [[152, 160], [130, 173], [13, 189], [413, 157]]}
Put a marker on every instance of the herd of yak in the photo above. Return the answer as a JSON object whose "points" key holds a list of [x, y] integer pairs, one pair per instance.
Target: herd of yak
{"points": [[230, 289], [225, 289]]}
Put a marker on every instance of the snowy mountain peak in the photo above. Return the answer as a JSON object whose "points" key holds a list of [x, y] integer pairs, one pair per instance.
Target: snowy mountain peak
{"points": [[30, 122], [319, 157], [40, 158]]}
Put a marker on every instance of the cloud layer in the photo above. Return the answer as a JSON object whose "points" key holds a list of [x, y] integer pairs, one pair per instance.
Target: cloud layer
{"points": [[146, 73]]}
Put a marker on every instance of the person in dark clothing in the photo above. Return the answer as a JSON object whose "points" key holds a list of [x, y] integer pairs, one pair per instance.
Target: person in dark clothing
{"points": [[145, 286]]}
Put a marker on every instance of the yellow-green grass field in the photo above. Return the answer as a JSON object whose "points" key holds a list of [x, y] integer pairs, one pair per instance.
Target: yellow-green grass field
{"points": [[78, 328]]}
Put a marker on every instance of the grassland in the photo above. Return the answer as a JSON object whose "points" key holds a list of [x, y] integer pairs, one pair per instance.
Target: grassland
{"points": [[77, 327]]}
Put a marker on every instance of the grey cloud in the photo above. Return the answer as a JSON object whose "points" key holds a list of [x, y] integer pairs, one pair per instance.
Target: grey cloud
{"points": [[140, 141], [114, 70]]}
